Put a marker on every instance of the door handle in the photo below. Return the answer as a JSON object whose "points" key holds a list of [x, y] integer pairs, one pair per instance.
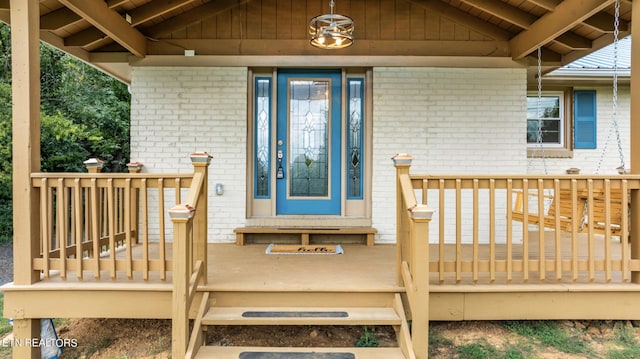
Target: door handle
{"points": [[280, 170]]}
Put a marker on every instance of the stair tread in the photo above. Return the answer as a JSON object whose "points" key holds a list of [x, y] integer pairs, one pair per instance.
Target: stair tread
{"points": [[234, 352], [301, 316]]}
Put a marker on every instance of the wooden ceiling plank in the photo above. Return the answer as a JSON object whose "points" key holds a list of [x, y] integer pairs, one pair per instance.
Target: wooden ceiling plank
{"points": [[463, 18], [603, 22], [504, 11], [199, 13], [58, 19], [549, 5], [85, 37], [97, 13], [115, 3], [4, 4], [155, 9], [573, 41], [566, 15]]}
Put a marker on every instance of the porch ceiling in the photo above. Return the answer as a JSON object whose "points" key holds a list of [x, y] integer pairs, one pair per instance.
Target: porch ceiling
{"points": [[113, 34]]}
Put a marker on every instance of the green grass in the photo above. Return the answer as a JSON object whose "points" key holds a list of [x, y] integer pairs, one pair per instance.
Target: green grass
{"points": [[550, 334], [5, 327], [437, 341], [625, 337], [478, 350]]}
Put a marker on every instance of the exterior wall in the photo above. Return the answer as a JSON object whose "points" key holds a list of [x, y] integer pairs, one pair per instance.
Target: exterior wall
{"points": [[587, 160], [450, 120], [176, 111]]}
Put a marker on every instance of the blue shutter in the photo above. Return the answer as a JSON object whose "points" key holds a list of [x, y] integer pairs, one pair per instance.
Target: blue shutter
{"points": [[584, 131]]}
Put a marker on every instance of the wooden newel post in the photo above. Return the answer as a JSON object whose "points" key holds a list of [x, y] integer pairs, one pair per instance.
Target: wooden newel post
{"points": [[135, 167], [419, 231], [201, 162], [93, 165], [180, 215], [402, 163]]}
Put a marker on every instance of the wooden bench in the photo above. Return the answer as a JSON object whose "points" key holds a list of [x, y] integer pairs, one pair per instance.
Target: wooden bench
{"points": [[565, 216], [549, 219], [305, 232]]}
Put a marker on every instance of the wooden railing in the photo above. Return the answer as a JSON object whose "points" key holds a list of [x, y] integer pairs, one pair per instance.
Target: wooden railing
{"points": [[502, 230], [106, 224], [519, 229], [190, 259], [412, 247]]}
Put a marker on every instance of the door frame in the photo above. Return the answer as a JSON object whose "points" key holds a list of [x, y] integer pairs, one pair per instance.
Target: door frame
{"points": [[261, 210]]}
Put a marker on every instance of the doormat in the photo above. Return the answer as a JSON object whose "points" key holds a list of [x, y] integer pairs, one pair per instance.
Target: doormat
{"points": [[304, 249]]}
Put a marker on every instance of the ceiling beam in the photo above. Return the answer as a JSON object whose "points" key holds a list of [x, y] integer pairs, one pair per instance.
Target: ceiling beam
{"points": [[85, 37], [463, 18], [98, 14], [504, 11], [4, 4], [154, 9], [58, 19], [362, 47], [194, 15], [525, 20], [566, 15], [115, 3], [573, 42], [603, 22], [549, 5]]}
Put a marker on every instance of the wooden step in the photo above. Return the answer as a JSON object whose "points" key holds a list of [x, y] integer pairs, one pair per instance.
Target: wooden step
{"points": [[298, 353], [301, 316]]}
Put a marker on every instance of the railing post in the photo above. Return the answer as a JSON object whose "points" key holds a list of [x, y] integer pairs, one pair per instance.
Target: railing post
{"points": [[635, 140], [93, 165], [201, 162], [402, 163], [180, 215], [419, 233], [135, 167]]}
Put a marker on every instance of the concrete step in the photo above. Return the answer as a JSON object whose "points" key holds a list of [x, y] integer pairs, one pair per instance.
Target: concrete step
{"points": [[298, 353], [301, 316]]}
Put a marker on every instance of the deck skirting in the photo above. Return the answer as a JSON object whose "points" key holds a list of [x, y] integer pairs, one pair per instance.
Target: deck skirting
{"points": [[586, 304]]}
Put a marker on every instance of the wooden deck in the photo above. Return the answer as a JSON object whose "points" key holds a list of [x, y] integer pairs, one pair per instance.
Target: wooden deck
{"points": [[369, 268], [361, 271]]}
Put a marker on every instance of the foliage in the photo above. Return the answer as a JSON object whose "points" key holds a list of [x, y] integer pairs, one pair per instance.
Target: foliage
{"points": [[84, 114], [548, 333], [6, 227], [367, 340]]}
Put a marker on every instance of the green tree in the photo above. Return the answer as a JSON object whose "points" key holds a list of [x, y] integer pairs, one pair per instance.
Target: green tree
{"points": [[84, 113]]}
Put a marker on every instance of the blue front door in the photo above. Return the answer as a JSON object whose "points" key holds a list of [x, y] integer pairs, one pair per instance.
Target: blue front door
{"points": [[308, 166]]}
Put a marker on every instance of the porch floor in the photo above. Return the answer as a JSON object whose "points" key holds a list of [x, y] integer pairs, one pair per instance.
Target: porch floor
{"points": [[360, 268]]}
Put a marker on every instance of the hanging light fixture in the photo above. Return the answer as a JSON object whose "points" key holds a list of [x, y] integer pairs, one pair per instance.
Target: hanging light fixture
{"points": [[331, 31]]}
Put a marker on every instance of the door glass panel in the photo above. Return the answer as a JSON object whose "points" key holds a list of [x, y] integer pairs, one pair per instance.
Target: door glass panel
{"points": [[262, 139], [309, 128], [354, 138]]}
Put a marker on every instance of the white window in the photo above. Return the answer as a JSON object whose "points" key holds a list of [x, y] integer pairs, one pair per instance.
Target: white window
{"points": [[546, 120]]}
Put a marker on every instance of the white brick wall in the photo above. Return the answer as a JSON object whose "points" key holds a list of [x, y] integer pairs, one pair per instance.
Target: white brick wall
{"points": [[176, 111], [450, 120]]}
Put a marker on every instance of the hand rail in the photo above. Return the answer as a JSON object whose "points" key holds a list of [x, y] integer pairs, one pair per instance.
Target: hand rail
{"points": [[413, 252], [189, 254]]}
